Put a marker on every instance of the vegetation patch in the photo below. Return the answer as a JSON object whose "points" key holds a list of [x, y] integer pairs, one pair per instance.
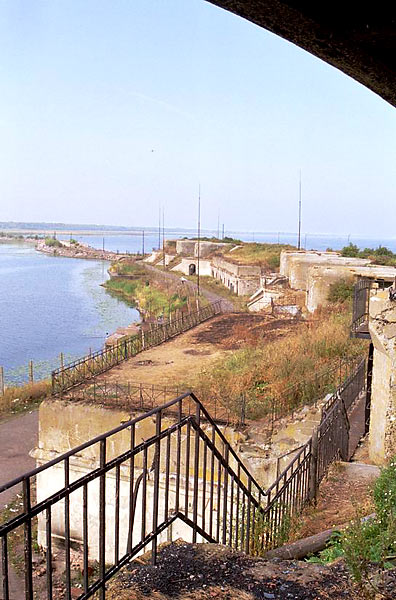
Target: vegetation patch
{"points": [[53, 242], [25, 397], [341, 291], [369, 545], [264, 255], [147, 295], [286, 373], [379, 256]]}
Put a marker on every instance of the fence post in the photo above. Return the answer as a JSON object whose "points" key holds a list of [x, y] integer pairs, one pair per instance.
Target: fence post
{"points": [[2, 381], [313, 467], [31, 375]]}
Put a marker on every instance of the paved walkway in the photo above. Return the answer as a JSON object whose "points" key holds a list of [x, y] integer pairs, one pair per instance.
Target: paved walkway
{"points": [[357, 424], [18, 435]]}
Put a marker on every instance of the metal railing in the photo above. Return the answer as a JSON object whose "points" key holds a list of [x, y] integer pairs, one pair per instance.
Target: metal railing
{"points": [[144, 397], [169, 469], [349, 390], [363, 289], [84, 369], [309, 391]]}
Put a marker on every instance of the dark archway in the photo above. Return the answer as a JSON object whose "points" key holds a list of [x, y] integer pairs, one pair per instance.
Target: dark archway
{"points": [[192, 269]]}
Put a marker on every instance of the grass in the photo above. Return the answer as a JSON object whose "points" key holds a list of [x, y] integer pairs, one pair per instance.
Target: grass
{"points": [[128, 268], [292, 371], [341, 291], [369, 545], [148, 296], [264, 255], [22, 398], [215, 286]]}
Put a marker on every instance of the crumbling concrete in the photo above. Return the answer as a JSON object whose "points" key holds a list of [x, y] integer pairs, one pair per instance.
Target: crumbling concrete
{"points": [[382, 327]]}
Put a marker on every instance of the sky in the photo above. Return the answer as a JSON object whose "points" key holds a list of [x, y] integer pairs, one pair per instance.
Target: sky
{"points": [[109, 109]]}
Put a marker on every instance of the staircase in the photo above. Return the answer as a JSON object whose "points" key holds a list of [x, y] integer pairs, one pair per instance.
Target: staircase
{"points": [[178, 476]]}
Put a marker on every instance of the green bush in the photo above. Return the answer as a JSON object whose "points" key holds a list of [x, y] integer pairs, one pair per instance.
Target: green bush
{"points": [[369, 545], [52, 242], [340, 291], [351, 250]]}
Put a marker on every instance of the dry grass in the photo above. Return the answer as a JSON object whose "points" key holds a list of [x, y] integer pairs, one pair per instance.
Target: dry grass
{"points": [[297, 368], [264, 255], [20, 398]]}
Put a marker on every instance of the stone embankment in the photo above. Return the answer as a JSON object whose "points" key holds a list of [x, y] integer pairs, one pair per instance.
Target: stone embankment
{"points": [[79, 250]]}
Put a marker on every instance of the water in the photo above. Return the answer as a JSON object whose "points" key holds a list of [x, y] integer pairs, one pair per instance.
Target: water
{"points": [[134, 242], [50, 305]]}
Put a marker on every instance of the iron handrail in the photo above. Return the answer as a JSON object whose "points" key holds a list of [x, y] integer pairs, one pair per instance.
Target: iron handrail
{"points": [[100, 361], [208, 477]]}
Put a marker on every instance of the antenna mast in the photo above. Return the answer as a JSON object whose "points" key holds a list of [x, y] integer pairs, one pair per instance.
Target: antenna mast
{"points": [[199, 234], [299, 216], [163, 236]]}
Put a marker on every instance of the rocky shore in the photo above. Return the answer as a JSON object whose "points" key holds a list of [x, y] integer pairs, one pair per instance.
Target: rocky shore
{"points": [[77, 250]]}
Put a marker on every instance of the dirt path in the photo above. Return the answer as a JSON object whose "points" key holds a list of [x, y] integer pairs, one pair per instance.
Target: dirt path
{"points": [[226, 305], [186, 356], [18, 435], [346, 487]]}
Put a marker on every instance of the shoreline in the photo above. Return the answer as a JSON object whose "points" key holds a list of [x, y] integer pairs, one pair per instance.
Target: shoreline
{"points": [[80, 250]]}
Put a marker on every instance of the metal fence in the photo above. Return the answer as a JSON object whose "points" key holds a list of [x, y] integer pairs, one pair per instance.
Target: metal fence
{"points": [[145, 397], [308, 391], [84, 369], [169, 469]]}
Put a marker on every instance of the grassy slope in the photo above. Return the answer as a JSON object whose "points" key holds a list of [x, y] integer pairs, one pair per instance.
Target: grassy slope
{"points": [[265, 255], [301, 359]]}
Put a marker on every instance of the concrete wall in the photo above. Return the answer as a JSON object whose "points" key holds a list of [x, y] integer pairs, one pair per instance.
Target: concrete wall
{"points": [[186, 247], [205, 266], [64, 425], [382, 326], [296, 265], [190, 247], [242, 280], [262, 300], [320, 280]]}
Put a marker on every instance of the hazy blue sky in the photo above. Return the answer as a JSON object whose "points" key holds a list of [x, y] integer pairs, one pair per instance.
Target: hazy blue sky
{"points": [[109, 107]]}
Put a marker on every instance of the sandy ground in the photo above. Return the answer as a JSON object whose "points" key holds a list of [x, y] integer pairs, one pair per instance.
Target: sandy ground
{"points": [[181, 359]]}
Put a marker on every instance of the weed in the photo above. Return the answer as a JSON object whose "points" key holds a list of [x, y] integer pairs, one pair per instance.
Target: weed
{"points": [[20, 398], [340, 291]]}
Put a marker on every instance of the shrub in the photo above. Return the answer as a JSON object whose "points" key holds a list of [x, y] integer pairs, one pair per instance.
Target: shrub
{"points": [[53, 242], [340, 291], [369, 545], [351, 250]]}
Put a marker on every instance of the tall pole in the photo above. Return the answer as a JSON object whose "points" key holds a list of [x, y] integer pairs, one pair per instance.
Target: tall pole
{"points": [[299, 216], [163, 236], [103, 244], [199, 234], [159, 227]]}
